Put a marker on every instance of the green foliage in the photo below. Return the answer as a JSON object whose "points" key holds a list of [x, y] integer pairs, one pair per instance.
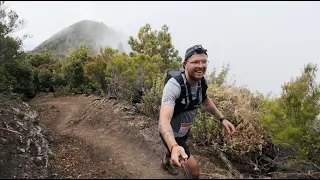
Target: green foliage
{"points": [[206, 129], [57, 74], [146, 68], [152, 98], [154, 43], [291, 117], [73, 69], [37, 59], [45, 69], [10, 48], [7, 82], [94, 70], [221, 78], [22, 71], [45, 79], [135, 73], [117, 65]]}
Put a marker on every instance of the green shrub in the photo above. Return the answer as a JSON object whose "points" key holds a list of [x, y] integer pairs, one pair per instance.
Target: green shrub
{"points": [[152, 98]]}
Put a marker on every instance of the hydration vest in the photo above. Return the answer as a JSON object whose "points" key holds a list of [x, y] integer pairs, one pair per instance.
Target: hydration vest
{"points": [[185, 102]]}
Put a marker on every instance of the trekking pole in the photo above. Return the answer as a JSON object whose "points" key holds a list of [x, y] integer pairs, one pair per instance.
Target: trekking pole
{"points": [[185, 168]]}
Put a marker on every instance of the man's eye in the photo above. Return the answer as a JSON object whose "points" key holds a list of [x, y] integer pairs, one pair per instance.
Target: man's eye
{"points": [[198, 62]]}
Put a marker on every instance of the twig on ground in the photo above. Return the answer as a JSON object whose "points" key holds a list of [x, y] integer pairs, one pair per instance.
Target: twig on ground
{"points": [[10, 130]]}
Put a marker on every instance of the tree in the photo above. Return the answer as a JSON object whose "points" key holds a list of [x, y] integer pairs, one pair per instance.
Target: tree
{"points": [[37, 59], [146, 68], [15, 74], [10, 47], [73, 68], [154, 43], [24, 78], [94, 70], [134, 73], [220, 78], [116, 64], [290, 118], [6, 80]]}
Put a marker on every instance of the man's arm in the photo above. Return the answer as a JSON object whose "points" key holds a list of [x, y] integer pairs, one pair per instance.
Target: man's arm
{"points": [[171, 92], [165, 128], [210, 107]]}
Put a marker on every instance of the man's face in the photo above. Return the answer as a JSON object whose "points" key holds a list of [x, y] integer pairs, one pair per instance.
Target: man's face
{"points": [[196, 66]]}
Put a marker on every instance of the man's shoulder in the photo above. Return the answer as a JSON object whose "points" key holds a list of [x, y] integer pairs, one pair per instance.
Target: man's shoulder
{"points": [[171, 92], [173, 81]]}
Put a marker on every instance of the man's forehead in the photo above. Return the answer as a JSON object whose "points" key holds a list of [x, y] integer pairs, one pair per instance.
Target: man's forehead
{"points": [[198, 57]]}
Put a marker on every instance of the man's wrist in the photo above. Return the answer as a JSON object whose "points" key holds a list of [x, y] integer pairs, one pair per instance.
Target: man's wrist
{"points": [[174, 145], [222, 118]]}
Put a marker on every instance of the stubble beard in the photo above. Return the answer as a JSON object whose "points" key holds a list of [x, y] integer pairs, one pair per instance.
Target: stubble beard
{"points": [[192, 74]]}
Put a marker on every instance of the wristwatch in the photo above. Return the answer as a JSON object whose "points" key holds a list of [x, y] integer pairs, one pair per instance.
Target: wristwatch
{"points": [[223, 118]]}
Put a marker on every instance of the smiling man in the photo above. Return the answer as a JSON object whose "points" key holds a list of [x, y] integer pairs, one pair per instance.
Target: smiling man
{"points": [[183, 94]]}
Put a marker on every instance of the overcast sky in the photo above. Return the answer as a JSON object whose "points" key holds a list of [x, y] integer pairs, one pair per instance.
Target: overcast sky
{"points": [[266, 43]]}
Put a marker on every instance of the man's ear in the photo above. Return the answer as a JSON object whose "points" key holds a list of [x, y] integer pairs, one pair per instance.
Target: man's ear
{"points": [[184, 64]]}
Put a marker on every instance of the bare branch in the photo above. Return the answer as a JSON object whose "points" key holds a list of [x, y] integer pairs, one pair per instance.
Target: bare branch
{"points": [[10, 130]]}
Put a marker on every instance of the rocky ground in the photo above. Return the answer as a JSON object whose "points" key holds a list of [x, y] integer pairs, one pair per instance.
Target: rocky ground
{"points": [[24, 149]]}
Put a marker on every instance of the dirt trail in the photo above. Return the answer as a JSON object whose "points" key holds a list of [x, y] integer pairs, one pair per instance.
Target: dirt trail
{"points": [[93, 138]]}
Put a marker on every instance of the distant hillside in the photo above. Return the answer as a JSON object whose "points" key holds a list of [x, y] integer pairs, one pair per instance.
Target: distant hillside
{"points": [[87, 32]]}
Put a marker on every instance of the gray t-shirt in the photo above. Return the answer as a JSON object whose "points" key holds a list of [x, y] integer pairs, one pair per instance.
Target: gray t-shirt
{"points": [[183, 121]]}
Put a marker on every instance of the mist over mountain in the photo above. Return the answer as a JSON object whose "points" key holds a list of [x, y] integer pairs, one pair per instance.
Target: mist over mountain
{"points": [[85, 32]]}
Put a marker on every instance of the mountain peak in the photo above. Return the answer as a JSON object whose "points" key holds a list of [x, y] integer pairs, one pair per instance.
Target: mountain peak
{"points": [[85, 32]]}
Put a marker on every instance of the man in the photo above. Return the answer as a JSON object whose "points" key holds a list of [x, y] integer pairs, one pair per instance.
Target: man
{"points": [[177, 113]]}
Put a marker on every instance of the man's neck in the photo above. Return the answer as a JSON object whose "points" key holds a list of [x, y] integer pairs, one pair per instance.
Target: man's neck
{"points": [[190, 80]]}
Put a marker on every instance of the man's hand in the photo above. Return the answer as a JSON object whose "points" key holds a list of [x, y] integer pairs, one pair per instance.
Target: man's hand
{"points": [[229, 126], [177, 151], [209, 106]]}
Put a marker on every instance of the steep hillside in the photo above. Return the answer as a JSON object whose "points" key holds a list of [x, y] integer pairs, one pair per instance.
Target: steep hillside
{"points": [[92, 33]]}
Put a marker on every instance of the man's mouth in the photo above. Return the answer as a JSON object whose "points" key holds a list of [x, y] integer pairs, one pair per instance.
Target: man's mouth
{"points": [[199, 72]]}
